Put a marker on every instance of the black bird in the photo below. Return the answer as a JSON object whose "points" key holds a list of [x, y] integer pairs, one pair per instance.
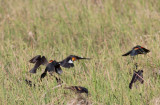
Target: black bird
{"points": [[137, 50], [78, 89], [68, 62], [53, 66], [38, 60], [136, 76]]}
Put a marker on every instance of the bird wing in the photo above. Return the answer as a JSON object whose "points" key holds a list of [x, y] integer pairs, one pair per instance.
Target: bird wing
{"points": [[34, 59], [34, 69], [39, 61], [67, 63], [44, 61], [145, 50], [126, 54], [142, 50]]}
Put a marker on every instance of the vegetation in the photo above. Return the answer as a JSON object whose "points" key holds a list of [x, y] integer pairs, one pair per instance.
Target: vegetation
{"points": [[100, 29]]}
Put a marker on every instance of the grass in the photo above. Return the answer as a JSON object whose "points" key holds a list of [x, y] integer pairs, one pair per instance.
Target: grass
{"points": [[102, 30]]}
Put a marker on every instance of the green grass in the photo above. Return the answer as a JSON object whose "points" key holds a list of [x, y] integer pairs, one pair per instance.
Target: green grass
{"points": [[102, 30]]}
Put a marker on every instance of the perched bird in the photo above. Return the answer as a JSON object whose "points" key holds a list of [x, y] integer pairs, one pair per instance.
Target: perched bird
{"points": [[137, 50], [38, 60], [78, 89], [53, 66], [136, 76], [68, 62]]}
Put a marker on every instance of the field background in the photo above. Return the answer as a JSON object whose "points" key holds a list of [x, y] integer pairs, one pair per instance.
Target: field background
{"points": [[100, 29]]}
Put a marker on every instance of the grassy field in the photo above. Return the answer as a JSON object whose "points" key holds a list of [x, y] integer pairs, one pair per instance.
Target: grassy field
{"points": [[100, 29]]}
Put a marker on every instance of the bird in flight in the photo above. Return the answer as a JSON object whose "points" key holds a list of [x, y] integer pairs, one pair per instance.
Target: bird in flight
{"points": [[51, 66], [38, 60], [137, 50], [69, 61]]}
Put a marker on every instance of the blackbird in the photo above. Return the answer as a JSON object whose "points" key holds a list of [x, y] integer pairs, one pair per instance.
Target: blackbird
{"points": [[136, 76], [38, 60], [137, 50], [53, 66], [68, 62]]}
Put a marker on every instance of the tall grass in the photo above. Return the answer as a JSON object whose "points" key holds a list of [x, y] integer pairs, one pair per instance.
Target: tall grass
{"points": [[100, 29]]}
